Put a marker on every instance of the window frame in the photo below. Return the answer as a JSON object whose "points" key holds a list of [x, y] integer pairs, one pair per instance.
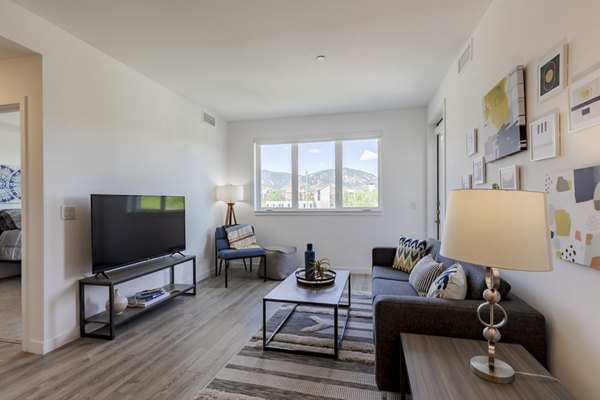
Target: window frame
{"points": [[338, 140]]}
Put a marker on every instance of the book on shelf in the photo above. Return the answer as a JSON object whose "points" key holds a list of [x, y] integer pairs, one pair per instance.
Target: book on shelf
{"points": [[136, 302]]}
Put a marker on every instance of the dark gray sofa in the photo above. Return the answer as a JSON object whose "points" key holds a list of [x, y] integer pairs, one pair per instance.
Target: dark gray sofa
{"points": [[399, 309]]}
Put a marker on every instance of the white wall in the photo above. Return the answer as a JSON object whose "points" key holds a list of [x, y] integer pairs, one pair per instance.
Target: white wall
{"points": [[346, 240], [108, 129], [520, 32]]}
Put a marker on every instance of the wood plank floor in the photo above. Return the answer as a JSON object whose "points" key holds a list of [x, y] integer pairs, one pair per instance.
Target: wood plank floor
{"points": [[170, 353]]}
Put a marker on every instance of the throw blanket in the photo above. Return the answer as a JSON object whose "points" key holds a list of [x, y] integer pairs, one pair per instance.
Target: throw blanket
{"points": [[10, 235], [241, 237]]}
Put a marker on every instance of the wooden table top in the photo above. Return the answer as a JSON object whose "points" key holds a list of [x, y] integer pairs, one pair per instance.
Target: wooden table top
{"points": [[438, 368], [290, 291]]}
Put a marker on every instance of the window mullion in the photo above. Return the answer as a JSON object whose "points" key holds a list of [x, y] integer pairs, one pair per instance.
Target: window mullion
{"points": [[338, 174], [257, 179], [295, 176]]}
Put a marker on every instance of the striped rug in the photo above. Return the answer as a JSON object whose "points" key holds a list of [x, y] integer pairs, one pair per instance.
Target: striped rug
{"points": [[257, 374]]}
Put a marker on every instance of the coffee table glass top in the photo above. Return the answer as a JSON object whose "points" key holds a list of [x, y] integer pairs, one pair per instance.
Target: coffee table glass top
{"points": [[291, 291]]}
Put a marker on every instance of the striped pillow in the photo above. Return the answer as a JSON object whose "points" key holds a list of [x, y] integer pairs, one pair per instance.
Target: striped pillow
{"points": [[241, 237], [408, 253], [424, 273]]}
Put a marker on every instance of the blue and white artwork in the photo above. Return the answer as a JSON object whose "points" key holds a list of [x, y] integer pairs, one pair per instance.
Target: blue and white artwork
{"points": [[10, 184]]}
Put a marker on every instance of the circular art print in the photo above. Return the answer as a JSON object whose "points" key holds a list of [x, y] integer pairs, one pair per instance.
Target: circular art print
{"points": [[10, 184]]}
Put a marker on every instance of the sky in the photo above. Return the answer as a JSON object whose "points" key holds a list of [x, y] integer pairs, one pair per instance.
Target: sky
{"points": [[316, 156]]}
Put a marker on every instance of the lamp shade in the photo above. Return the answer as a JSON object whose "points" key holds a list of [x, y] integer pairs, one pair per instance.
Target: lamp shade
{"points": [[498, 228], [230, 193]]}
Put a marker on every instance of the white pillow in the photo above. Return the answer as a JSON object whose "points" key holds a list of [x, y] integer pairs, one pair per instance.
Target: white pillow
{"points": [[424, 273], [451, 284]]}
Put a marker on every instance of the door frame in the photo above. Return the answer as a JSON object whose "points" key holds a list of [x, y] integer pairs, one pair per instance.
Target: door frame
{"points": [[21, 104]]}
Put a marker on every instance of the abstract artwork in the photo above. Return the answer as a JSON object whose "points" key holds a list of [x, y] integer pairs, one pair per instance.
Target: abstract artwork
{"points": [[10, 184], [509, 178], [479, 171], [504, 126], [574, 215], [472, 143], [544, 137], [465, 181], [584, 101], [552, 72]]}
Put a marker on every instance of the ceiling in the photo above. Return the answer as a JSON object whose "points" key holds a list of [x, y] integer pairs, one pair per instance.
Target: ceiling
{"points": [[251, 59]]}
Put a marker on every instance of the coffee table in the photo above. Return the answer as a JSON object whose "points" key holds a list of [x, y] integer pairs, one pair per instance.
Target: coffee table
{"points": [[289, 291]]}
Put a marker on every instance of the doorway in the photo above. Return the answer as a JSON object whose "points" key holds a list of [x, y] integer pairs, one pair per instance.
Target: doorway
{"points": [[440, 134], [11, 329]]}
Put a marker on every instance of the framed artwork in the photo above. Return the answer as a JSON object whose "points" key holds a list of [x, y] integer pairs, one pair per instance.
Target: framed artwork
{"points": [[573, 205], [504, 127], [10, 184], [584, 101], [544, 137], [509, 178], [479, 171], [472, 143], [552, 72], [466, 181]]}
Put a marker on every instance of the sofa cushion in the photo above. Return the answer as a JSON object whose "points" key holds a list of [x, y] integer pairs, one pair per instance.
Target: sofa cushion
{"points": [[424, 273], [389, 273], [451, 284], [408, 253], [475, 273], [390, 287]]}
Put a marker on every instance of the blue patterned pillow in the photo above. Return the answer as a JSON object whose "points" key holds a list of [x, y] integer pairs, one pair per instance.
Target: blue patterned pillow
{"points": [[408, 253], [451, 284]]}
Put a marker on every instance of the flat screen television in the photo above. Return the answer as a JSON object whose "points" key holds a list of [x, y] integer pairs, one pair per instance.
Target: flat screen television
{"points": [[130, 228]]}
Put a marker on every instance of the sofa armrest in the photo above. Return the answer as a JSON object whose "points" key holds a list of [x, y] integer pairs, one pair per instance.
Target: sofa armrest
{"points": [[440, 317], [383, 256]]}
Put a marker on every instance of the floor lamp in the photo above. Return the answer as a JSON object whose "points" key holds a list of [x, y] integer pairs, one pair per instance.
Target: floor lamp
{"points": [[499, 229], [230, 194]]}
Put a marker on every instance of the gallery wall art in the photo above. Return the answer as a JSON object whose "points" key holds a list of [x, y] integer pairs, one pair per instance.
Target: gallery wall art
{"points": [[552, 72], [504, 126], [574, 215], [544, 137], [479, 171], [10, 184], [509, 178], [584, 101]]}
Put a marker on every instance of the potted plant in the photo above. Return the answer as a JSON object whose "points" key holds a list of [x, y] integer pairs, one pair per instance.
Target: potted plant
{"points": [[320, 267]]}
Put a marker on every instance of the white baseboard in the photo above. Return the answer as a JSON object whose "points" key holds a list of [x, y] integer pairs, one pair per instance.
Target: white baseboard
{"points": [[60, 340]]}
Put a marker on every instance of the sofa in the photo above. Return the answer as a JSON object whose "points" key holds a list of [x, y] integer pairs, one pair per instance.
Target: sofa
{"points": [[398, 308]]}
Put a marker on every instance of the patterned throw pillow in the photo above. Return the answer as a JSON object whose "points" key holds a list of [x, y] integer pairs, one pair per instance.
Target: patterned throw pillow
{"points": [[408, 253], [424, 273], [241, 237], [451, 284]]}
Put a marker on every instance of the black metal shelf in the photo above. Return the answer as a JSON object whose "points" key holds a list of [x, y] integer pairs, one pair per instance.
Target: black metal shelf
{"points": [[107, 320]]}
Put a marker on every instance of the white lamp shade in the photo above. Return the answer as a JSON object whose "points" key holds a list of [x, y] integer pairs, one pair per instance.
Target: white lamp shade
{"points": [[230, 193], [498, 228]]}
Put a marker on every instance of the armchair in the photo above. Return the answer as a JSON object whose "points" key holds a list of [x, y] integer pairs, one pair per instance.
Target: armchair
{"points": [[224, 253]]}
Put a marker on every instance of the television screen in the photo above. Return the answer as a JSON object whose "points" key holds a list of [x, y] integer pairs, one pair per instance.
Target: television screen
{"points": [[131, 228]]}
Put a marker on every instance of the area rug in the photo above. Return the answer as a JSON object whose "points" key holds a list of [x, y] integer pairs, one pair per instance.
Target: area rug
{"points": [[10, 309], [256, 374]]}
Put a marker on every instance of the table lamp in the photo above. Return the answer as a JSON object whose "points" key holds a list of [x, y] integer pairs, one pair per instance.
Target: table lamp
{"points": [[230, 194], [498, 229]]}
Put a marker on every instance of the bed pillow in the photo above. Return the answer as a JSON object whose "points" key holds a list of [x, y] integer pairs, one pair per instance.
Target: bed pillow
{"points": [[424, 273], [408, 253], [241, 237], [451, 284]]}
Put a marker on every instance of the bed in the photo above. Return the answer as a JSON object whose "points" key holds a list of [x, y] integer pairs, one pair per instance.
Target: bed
{"points": [[10, 242]]}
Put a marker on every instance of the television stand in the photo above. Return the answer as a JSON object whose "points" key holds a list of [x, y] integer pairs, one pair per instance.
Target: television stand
{"points": [[103, 273], [104, 324]]}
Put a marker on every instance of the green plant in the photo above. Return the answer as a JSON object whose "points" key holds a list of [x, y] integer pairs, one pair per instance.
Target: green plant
{"points": [[320, 267]]}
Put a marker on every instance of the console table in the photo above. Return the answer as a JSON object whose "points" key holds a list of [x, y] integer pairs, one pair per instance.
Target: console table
{"points": [[438, 368], [104, 323]]}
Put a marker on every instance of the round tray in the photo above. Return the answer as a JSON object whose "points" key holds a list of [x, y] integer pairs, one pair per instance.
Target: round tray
{"points": [[326, 280]]}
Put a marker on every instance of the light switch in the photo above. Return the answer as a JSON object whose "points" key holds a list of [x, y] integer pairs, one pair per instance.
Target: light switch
{"points": [[68, 212]]}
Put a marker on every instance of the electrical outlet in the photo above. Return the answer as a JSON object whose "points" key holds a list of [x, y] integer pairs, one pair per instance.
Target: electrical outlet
{"points": [[67, 212]]}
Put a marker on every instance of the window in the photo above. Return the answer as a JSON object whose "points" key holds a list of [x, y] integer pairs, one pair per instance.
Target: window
{"points": [[324, 174]]}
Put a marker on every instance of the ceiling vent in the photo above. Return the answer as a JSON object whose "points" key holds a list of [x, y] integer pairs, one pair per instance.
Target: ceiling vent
{"points": [[209, 119], [466, 57]]}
